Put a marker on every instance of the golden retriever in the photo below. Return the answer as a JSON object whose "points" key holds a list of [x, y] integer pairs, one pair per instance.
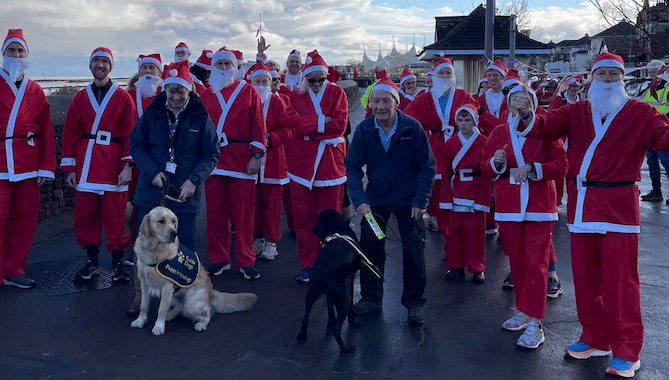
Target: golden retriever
{"points": [[158, 241]]}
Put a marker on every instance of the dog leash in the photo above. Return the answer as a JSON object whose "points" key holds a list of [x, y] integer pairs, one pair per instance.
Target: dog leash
{"points": [[365, 260]]}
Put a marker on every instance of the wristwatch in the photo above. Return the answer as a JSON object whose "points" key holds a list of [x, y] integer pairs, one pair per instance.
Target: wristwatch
{"points": [[257, 155]]}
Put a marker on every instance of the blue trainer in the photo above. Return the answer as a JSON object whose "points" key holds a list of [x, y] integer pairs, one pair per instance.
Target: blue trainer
{"points": [[22, 282], [623, 368], [303, 276], [580, 350]]}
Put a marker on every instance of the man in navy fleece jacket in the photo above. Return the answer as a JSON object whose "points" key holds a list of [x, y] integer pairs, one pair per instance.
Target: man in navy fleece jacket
{"points": [[400, 170]]}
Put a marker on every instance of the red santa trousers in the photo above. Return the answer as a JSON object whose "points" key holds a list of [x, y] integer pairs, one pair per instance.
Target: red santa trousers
{"points": [[19, 207], [268, 211], [288, 208], [230, 200], [611, 319], [466, 243], [307, 204], [93, 211], [527, 244]]}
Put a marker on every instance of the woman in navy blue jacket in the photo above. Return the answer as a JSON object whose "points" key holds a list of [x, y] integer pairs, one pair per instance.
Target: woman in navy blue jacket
{"points": [[175, 147]]}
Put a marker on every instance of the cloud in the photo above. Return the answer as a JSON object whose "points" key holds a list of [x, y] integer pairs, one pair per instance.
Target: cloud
{"points": [[71, 29]]}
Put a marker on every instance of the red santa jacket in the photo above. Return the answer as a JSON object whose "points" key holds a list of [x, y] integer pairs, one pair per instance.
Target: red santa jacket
{"points": [[237, 112], [440, 126], [96, 138], [535, 199], [609, 152], [274, 165], [316, 152], [466, 190], [488, 120], [141, 102], [27, 149]]}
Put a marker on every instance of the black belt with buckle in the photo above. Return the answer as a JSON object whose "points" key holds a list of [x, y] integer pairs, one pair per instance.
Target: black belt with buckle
{"points": [[27, 137], [471, 174], [94, 137], [238, 141], [604, 185]]}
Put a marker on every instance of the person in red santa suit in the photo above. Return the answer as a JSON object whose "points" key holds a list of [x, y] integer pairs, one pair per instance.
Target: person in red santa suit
{"points": [[27, 158], [182, 53], [96, 157], [273, 166], [483, 86], [468, 197], [316, 155], [435, 110], [603, 207], [200, 71], [236, 109], [408, 88], [525, 171], [293, 78], [493, 100]]}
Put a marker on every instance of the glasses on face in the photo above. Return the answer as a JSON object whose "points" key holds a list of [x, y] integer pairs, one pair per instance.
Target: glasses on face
{"points": [[320, 80], [276, 79]]}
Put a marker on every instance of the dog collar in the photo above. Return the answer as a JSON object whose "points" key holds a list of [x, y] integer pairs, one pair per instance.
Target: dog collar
{"points": [[354, 244]]}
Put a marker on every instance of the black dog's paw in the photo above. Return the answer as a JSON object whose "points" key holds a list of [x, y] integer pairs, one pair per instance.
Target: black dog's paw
{"points": [[347, 349], [302, 337]]}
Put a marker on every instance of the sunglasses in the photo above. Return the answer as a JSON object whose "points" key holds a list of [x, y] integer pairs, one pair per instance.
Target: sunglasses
{"points": [[276, 79], [312, 81]]}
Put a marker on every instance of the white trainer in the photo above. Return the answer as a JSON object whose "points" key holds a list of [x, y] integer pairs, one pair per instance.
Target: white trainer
{"points": [[269, 252], [258, 245]]}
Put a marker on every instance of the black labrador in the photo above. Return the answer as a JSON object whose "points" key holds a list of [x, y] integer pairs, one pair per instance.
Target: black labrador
{"points": [[332, 274]]}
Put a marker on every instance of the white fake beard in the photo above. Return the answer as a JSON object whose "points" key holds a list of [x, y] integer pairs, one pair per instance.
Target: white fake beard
{"points": [[441, 85], [14, 67], [606, 98], [147, 85], [265, 92], [239, 75], [177, 59], [221, 79]]}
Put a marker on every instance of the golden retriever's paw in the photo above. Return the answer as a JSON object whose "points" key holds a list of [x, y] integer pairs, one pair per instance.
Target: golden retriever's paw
{"points": [[200, 326], [158, 329], [138, 323]]}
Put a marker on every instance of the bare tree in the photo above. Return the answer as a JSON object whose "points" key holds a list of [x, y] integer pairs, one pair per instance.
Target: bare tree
{"points": [[630, 11], [520, 8], [397, 62]]}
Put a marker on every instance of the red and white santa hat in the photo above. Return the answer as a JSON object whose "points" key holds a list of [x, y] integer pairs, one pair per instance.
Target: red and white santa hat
{"points": [[380, 74], [520, 88], [608, 60], [273, 66], [406, 75], [472, 109], [295, 53], [14, 35], [182, 47], [313, 63], [179, 73], [386, 84], [498, 65], [578, 79], [240, 57], [150, 58], [224, 53], [102, 52], [205, 59], [429, 73], [512, 78], [484, 78], [259, 69], [441, 63]]}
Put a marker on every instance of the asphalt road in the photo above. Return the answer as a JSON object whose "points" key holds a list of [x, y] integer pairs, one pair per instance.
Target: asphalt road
{"points": [[88, 336]]}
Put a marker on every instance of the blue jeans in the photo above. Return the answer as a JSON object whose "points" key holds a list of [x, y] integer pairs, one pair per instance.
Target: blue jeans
{"points": [[653, 159], [186, 226]]}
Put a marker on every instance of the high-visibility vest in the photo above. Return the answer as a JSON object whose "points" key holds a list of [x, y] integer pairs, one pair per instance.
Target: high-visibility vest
{"points": [[661, 105]]}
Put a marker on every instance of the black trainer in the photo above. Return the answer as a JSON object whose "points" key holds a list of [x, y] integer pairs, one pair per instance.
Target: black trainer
{"points": [[508, 282], [217, 269], [119, 276], [363, 306], [478, 278], [455, 273], [250, 273], [653, 196], [415, 316], [554, 288], [87, 271]]}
